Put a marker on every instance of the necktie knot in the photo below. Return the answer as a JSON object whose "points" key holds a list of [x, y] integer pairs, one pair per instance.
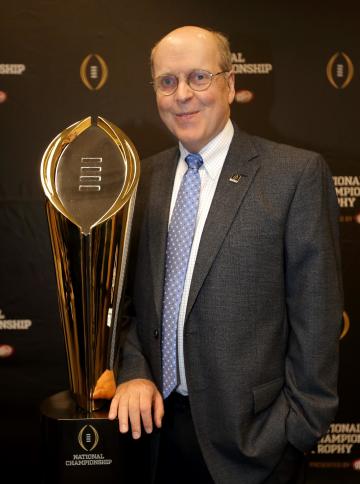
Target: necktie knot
{"points": [[194, 161]]}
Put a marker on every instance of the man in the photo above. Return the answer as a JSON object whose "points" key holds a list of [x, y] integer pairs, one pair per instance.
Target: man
{"points": [[257, 302]]}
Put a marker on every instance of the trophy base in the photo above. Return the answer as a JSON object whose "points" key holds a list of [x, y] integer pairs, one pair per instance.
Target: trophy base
{"points": [[80, 448]]}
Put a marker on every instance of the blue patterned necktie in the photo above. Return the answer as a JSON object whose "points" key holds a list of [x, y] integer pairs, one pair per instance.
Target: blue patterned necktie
{"points": [[179, 241]]}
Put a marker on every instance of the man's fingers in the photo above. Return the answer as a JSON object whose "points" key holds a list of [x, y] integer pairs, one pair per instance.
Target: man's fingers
{"points": [[158, 409], [135, 402], [113, 408], [123, 414], [146, 412], [134, 416]]}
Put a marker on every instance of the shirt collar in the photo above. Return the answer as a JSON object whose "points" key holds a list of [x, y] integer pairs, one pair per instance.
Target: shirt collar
{"points": [[211, 152]]}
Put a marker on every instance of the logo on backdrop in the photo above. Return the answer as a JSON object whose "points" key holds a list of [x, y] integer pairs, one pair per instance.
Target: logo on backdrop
{"points": [[340, 70], [244, 96], [348, 192], [13, 323], [346, 325], [12, 69], [93, 72], [6, 351], [241, 66], [341, 439]]}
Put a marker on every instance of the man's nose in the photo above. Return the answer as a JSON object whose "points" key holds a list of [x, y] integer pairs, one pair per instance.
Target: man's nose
{"points": [[183, 91]]}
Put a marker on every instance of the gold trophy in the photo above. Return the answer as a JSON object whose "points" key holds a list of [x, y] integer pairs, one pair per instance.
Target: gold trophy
{"points": [[89, 174]]}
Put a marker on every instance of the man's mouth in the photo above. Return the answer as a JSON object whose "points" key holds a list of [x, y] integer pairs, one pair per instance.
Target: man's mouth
{"points": [[186, 115]]}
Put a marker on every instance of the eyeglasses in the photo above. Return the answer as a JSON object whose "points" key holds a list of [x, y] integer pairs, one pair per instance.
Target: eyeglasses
{"points": [[198, 80]]}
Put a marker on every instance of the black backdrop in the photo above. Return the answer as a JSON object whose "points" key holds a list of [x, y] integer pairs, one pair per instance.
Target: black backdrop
{"points": [[60, 61]]}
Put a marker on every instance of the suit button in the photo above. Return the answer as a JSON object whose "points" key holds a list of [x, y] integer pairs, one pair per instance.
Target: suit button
{"points": [[156, 333]]}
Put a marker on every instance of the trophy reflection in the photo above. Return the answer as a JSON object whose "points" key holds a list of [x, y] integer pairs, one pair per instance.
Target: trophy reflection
{"points": [[89, 174]]}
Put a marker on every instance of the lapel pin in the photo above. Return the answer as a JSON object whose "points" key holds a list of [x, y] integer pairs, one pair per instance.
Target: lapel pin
{"points": [[235, 178]]}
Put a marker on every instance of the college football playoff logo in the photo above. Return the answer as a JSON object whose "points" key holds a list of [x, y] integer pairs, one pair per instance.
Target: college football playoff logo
{"points": [[340, 70], [93, 72], [346, 325], [88, 438]]}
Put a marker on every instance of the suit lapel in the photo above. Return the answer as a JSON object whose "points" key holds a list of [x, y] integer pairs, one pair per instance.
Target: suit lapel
{"points": [[226, 202], [159, 208]]}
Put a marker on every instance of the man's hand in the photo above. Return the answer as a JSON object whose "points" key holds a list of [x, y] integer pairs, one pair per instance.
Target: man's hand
{"points": [[137, 400]]}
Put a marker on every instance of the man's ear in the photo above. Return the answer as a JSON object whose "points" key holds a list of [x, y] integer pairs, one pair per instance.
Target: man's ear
{"points": [[231, 84]]}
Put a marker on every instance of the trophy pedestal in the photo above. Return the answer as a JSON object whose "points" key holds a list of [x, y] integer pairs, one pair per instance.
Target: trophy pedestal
{"points": [[79, 448]]}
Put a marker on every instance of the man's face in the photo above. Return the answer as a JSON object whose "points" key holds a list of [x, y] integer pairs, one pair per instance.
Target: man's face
{"points": [[194, 117]]}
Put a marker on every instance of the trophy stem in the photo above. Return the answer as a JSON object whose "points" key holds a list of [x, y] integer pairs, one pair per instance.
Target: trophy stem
{"points": [[87, 322]]}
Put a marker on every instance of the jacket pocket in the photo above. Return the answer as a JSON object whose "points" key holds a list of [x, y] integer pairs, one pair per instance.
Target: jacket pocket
{"points": [[265, 394]]}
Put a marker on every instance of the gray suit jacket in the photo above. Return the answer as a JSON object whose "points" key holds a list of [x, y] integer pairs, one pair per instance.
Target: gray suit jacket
{"points": [[264, 310]]}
